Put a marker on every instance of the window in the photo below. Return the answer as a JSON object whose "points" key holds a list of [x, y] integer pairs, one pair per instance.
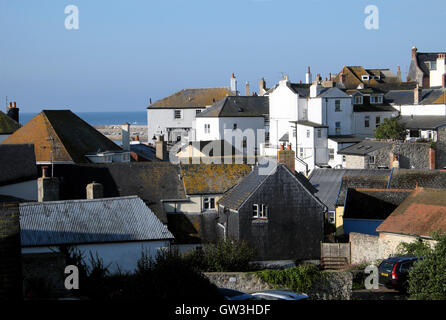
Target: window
{"points": [[414, 134], [432, 65], [338, 127], [331, 153], [319, 133], [208, 203], [308, 133], [177, 114], [371, 159], [259, 211], [332, 217], [234, 127], [337, 105], [197, 111], [376, 99], [378, 121], [367, 121], [301, 153], [358, 100], [294, 132], [207, 128], [364, 77]]}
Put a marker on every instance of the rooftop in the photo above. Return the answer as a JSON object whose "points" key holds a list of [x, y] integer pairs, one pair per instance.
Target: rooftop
{"points": [[238, 106], [89, 221], [423, 122], [364, 147], [17, 163], [372, 179], [7, 125]]}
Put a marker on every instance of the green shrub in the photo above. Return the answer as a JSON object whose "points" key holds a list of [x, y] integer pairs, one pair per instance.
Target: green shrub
{"points": [[299, 279], [390, 129]]}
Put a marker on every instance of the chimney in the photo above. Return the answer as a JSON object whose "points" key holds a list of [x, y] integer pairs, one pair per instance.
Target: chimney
{"points": [[308, 78], [125, 136], [247, 89], [417, 94], [286, 78], [399, 73], [287, 157], [394, 161], [234, 84], [262, 87], [443, 82], [161, 148], [414, 52], [95, 191], [13, 111], [432, 163], [47, 187]]}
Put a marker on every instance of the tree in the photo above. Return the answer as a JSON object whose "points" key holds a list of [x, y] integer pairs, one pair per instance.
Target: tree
{"points": [[427, 278], [391, 129]]}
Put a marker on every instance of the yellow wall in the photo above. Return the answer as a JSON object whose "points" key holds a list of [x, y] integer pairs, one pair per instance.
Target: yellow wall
{"points": [[339, 221], [195, 205]]}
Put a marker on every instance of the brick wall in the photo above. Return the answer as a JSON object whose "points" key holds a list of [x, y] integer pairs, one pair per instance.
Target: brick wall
{"points": [[10, 253]]}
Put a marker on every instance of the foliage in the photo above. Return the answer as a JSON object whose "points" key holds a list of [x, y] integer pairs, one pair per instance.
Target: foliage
{"points": [[390, 129], [418, 248], [427, 278], [223, 256], [299, 279]]}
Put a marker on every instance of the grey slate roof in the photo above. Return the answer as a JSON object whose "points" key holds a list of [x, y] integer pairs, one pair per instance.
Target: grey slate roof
{"points": [[238, 106], [423, 122], [328, 182], [363, 148], [236, 196], [8, 125], [89, 221], [17, 163], [410, 179], [348, 138], [378, 180], [309, 124], [145, 151], [406, 97], [302, 89], [285, 137]]}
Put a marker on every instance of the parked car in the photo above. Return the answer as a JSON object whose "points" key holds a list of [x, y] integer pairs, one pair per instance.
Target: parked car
{"points": [[279, 295], [393, 272], [231, 294]]}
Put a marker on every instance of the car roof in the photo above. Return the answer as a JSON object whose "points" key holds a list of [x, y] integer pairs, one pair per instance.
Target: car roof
{"points": [[281, 293], [401, 259]]}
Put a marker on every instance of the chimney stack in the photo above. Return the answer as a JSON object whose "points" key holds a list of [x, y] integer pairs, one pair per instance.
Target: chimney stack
{"points": [[47, 187], [287, 157], [308, 77], [161, 148], [13, 111], [234, 84], [414, 52], [399, 73], [95, 191], [247, 89], [417, 94], [432, 163], [262, 87], [125, 136]]}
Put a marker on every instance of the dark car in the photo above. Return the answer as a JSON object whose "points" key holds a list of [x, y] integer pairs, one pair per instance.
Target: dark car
{"points": [[393, 272]]}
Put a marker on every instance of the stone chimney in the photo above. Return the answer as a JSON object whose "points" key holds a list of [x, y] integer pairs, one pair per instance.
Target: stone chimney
{"points": [[47, 187], [432, 163], [287, 157], [414, 52], [247, 89], [125, 136], [11, 283], [308, 78], [234, 84], [262, 87], [13, 111], [417, 94], [399, 73], [394, 161], [95, 190], [161, 148]]}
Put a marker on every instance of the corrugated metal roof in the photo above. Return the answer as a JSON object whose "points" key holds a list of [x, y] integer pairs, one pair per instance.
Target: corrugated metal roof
{"points": [[89, 221]]}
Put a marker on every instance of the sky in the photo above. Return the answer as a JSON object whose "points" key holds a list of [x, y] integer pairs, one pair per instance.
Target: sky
{"points": [[127, 52]]}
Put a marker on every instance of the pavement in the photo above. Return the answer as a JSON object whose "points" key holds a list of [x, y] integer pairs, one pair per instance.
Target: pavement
{"points": [[379, 294]]}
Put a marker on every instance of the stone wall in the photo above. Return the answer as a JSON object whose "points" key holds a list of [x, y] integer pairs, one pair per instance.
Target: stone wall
{"points": [[10, 253], [331, 286], [354, 162], [364, 248], [441, 148]]}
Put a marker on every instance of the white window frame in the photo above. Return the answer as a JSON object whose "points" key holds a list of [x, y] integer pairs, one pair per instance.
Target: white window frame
{"points": [[338, 128], [175, 114], [358, 99], [365, 77], [338, 105], [259, 211], [255, 210], [331, 153], [208, 203]]}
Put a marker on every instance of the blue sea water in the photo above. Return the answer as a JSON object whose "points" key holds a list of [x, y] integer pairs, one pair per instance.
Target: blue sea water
{"points": [[101, 118]]}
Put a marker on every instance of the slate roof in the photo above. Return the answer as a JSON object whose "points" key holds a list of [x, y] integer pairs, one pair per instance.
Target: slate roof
{"points": [[11, 199], [212, 178], [238, 106], [236, 196], [347, 138], [151, 181], [328, 182], [285, 137], [192, 98], [309, 124], [73, 137], [373, 108], [17, 163], [379, 180], [364, 147], [410, 179], [422, 213], [332, 92], [89, 221], [406, 97], [373, 204], [144, 151], [423, 122], [8, 125], [302, 89]]}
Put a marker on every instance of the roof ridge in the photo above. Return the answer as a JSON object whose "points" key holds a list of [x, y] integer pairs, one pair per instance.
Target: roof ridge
{"points": [[25, 204]]}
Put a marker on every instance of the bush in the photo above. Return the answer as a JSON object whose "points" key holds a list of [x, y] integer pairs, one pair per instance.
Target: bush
{"points": [[427, 278], [299, 279], [391, 129], [418, 248]]}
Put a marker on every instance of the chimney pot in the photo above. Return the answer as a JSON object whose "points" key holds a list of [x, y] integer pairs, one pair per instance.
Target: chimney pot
{"points": [[14, 105], [289, 146], [10, 105], [95, 191]]}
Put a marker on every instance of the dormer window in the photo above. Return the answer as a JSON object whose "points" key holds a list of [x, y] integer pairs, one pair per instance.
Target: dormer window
{"points": [[365, 77], [376, 99], [432, 65], [358, 100]]}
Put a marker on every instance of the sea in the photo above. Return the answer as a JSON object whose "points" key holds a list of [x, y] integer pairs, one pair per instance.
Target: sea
{"points": [[101, 118]]}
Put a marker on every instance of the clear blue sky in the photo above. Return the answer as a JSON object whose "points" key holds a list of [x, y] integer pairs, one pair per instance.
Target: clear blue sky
{"points": [[126, 52]]}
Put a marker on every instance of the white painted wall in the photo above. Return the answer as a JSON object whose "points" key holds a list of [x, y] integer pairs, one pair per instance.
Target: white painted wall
{"points": [[436, 76], [423, 110], [124, 254], [361, 130], [25, 190], [160, 119]]}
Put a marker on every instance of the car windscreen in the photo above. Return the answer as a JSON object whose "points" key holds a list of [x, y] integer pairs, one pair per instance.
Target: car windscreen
{"points": [[386, 266]]}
